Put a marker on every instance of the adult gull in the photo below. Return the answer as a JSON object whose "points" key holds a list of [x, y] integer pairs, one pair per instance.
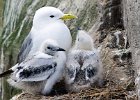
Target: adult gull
{"points": [[48, 23]]}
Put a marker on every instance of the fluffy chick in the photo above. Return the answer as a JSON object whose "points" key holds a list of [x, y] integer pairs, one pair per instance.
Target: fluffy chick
{"points": [[83, 66], [39, 72]]}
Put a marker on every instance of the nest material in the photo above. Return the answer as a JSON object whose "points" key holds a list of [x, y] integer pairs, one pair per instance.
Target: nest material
{"points": [[92, 94]]}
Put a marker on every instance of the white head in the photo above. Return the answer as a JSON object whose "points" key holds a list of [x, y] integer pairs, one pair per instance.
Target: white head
{"points": [[83, 41], [50, 47], [46, 15]]}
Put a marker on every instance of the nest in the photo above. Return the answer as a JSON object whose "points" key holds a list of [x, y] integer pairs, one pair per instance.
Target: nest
{"points": [[118, 77], [91, 94], [108, 92]]}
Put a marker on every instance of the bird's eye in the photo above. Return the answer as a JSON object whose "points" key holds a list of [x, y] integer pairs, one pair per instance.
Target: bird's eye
{"points": [[49, 47], [52, 16], [78, 39]]}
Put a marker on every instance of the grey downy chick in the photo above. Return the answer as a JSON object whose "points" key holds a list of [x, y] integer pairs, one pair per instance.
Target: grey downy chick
{"points": [[83, 66]]}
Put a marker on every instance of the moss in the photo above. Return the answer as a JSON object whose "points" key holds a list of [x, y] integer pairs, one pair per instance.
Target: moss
{"points": [[86, 19], [24, 11], [6, 91]]}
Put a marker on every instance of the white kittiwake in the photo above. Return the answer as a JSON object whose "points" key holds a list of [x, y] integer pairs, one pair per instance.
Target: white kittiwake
{"points": [[48, 23], [39, 72], [83, 66]]}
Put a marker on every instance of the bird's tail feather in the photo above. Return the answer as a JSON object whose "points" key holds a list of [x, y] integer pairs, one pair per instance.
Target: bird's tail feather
{"points": [[6, 73]]}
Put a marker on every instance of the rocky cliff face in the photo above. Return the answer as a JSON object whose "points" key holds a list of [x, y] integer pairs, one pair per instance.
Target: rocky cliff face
{"points": [[132, 26], [103, 19]]}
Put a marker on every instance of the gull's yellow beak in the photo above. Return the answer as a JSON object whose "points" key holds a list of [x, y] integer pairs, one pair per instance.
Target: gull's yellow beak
{"points": [[68, 17]]}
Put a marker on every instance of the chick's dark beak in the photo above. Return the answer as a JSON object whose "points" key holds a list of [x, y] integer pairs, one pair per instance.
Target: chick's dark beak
{"points": [[60, 49]]}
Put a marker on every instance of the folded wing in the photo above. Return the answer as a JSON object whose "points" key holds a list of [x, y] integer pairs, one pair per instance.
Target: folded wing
{"points": [[36, 69]]}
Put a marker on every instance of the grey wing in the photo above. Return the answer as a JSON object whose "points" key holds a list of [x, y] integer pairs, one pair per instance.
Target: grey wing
{"points": [[72, 66], [92, 64], [36, 70], [25, 48]]}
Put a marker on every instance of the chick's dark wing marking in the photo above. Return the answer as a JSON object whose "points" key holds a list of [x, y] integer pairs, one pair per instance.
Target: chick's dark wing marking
{"points": [[37, 70], [91, 71]]}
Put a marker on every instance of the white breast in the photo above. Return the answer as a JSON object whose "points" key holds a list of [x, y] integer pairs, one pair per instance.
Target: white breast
{"points": [[57, 31]]}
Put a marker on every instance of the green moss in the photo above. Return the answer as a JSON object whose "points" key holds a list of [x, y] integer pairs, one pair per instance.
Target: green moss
{"points": [[86, 18], [6, 90]]}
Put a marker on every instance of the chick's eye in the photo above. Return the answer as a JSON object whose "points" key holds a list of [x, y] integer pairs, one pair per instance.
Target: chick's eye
{"points": [[49, 47], [52, 16]]}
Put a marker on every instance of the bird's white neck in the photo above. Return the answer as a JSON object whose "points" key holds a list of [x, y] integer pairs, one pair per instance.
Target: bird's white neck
{"points": [[37, 25], [83, 46], [57, 31]]}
